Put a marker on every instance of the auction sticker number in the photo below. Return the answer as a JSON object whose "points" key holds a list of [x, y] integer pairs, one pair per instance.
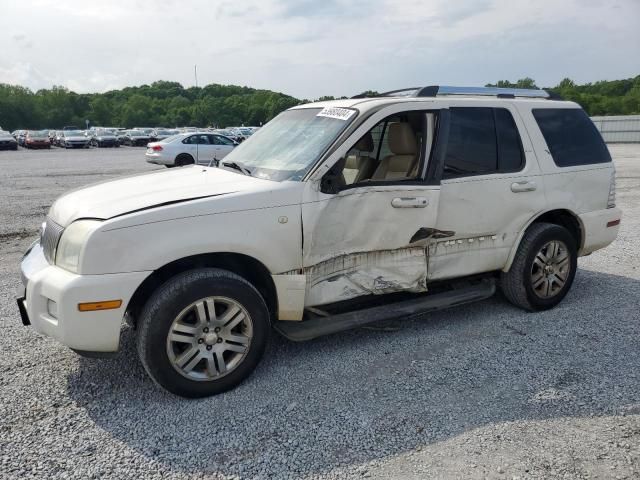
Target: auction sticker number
{"points": [[335, 112]]}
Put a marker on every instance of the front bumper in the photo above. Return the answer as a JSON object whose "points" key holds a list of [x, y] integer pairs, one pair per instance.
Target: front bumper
{"points": [[52, 297]]}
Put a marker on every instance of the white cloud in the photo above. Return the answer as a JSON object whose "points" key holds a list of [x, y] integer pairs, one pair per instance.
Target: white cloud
{"points": [[311, 48]]}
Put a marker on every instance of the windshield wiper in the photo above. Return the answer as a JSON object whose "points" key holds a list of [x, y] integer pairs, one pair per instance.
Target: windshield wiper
{"points": [[237, 166]]}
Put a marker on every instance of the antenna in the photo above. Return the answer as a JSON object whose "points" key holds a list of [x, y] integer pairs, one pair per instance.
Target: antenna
{"points": [[195, 74]]}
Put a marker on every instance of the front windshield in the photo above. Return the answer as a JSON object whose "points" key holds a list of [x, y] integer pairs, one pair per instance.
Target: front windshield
{"points": [[74, 133], [104, 133], [135, 133], [290, 144]]}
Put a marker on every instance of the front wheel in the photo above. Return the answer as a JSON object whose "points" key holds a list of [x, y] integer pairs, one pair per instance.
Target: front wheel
{"points": [[203, 332], [543, 269]]}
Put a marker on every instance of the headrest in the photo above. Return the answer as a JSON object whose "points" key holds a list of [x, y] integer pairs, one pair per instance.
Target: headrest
{"points": [[402, 141], [365, 144], [353, 162]]}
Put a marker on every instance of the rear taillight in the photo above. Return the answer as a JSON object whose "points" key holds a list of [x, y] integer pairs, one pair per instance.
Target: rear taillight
{"points": [[156, 148], [611, 201]]}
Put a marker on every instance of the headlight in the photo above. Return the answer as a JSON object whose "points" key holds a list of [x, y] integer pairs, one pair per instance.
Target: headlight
{"points": [[72, 243]]}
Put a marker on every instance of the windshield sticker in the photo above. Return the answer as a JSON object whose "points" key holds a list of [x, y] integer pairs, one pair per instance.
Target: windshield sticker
{"points": [[335, 112]]}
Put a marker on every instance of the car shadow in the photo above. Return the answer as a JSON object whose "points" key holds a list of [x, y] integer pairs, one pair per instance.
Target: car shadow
{"points": [[373, 393]]}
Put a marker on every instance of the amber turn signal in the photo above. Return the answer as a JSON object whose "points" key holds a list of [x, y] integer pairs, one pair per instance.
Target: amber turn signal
{"points": [[93, 306]]}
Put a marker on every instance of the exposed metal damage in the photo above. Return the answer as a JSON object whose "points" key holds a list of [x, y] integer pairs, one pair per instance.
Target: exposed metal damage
{"points": [[366, 273]]}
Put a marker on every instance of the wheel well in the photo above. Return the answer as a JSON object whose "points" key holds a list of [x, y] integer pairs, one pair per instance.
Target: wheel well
{"points": [[565, 219], [184, 156], [247, 267]]}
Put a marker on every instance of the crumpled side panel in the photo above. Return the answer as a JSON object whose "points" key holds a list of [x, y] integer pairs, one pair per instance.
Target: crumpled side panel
{"points": [[366, 273]]}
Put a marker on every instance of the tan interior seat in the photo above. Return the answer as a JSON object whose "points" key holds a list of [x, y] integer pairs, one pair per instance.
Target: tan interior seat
{"points": [[360, 166], [404, 150]]}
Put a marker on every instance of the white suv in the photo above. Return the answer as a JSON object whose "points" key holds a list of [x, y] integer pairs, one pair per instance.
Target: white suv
{"points": [[333, 215]]}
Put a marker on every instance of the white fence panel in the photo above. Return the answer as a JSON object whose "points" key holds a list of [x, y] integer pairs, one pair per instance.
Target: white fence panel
{"points": [[619, 129]]}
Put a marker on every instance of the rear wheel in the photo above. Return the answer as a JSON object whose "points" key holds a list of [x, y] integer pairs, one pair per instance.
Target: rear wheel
{"points": [[543, 269], [203, 332], [184, 159]]}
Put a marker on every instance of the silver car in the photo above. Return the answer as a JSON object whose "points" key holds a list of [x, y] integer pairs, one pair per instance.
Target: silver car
{"points": [[187, 148]]}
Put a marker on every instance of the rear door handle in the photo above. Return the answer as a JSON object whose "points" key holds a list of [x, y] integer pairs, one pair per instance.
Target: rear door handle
{"points": [[526, 186], [409, 202]]}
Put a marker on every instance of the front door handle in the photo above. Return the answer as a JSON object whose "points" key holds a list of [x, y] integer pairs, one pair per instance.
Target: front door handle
{"points": [[409, 202], [526, 186]]}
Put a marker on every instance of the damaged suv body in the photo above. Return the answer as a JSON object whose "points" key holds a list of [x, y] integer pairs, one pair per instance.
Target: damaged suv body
{"points": [[333, 215]]}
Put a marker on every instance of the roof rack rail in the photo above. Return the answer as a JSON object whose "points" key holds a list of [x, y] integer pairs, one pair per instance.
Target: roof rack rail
{"points": [[436, 90], [433, 90]]}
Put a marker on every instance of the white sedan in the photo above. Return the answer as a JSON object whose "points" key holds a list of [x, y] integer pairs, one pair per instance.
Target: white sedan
{"points": [[187, 148]]}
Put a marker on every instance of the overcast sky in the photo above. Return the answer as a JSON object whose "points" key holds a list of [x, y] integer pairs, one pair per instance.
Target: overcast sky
{"points": [[309, 48]]}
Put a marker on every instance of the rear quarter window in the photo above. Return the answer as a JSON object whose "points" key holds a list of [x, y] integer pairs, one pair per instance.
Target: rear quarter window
{"points": [[571, 136]]}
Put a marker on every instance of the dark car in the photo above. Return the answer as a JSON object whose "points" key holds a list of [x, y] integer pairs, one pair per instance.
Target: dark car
{"points": [[37, 139], [7, 142], [136, 138], [160, 134], [103, 137]]}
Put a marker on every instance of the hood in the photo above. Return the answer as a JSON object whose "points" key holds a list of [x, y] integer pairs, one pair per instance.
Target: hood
{"points": [[119, 197]]}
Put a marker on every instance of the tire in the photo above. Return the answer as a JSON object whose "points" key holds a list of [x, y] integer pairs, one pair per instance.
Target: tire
{"points": [[534, 281], [177, 310], [184, 159]]}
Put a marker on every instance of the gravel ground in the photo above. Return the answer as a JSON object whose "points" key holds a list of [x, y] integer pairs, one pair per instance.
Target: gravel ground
{"points": [[479, 391]]}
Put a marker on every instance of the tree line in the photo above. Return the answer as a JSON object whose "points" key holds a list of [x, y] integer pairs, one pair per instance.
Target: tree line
{"points": [[162, 103], [170, 104], [614, 97]]}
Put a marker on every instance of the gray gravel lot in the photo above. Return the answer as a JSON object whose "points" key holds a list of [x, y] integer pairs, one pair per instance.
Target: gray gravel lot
{"points": [[479, 391]]}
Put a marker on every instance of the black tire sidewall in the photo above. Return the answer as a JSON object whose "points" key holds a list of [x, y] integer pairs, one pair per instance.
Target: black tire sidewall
{"points": [[170, 300], [184, 159], [553, 233]]}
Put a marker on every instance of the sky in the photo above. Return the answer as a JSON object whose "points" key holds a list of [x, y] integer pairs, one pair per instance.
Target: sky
{"points": [[311, 48]]}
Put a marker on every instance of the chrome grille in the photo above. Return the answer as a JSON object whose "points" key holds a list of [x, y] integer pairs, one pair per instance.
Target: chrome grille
{"points": [[49, 239]]}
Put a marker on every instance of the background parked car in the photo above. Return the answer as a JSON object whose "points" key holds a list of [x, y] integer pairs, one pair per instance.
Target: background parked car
{"points": [[57, 139], [229, 134], [37, 139], [147, 130], [7, 142], [120, 134], [103, 137], [136, 138], [19, 136], [160, 134], [188, 148], [75, 139]]}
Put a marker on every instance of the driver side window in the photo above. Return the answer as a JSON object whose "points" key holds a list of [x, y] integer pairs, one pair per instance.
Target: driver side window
{"points": [[394, 150]]}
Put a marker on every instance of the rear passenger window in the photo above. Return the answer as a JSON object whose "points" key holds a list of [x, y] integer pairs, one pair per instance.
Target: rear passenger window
{"points": [[472, 143], [482, 141], [571, 136]]}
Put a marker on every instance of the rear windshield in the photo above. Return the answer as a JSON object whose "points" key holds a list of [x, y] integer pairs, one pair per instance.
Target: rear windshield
{"points": [[571, 136]]}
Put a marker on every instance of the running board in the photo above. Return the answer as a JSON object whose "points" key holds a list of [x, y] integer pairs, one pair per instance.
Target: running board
{"points": [[320, 326]]}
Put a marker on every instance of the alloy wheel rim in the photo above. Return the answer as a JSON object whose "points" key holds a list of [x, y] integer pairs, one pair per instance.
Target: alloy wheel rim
{"points": [[209, 339], [550, 269]]}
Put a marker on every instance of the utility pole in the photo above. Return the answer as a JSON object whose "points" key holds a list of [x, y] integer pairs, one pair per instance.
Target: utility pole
{"points": [[195, 73]]}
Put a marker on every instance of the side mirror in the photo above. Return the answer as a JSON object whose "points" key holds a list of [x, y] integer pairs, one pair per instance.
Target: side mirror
{"points": [[333, 181]]}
